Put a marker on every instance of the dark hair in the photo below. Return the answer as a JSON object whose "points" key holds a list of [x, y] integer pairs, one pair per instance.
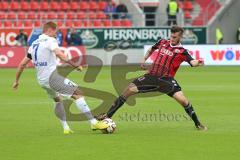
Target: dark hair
{"points": [[175, 29]]}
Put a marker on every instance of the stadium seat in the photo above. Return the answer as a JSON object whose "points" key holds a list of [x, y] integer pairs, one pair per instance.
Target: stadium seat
{"points": [[74, 6], [2, 15], [14, 6], [86, 23], [97, 23], [84, 6], [61, 15], [18, 24], [54, 6], [107, 23], [4, 6], [69, 24], [126, 23], [64, 6], [44, 6], [25, 6], [101, 15], [37, 24], [102, 5], [7, 24], [116, 23], [188, 5], [28, 24], [51, 15], [11, 15], [77, 23], [31, 15], [34, 6], [93, 5], [81, 15], [22, 15], [71, 15], [91, 15], [187, 15], [59, 23]]}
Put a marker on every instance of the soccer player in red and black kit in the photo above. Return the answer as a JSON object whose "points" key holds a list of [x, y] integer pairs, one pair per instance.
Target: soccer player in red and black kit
{"points": [[160, 76]]}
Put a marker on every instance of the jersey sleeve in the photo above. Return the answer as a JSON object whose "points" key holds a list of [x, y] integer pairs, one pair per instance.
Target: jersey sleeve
{"points": [[155, 46], [53, 44], [188, 57]]}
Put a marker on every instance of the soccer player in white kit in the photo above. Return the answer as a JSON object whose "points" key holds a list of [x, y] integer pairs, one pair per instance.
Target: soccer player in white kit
{"points": [[43, 53]]}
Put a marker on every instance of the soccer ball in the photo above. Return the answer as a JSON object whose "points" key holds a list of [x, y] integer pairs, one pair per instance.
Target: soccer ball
{"points": [[111, 128]]}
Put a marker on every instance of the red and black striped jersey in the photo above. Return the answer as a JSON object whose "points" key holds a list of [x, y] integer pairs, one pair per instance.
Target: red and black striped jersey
{"points": [[168, 58]]}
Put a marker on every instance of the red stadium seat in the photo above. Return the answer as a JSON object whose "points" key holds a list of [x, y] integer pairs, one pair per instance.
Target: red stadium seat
{"points": [[91, 15], [188, 5], [77, 24], [64, 6], [11, 15], [86, 23], [84, 6], [81, 15], [187, 15], [37, 24], [44, 6], [4, 5], [97, 23], [69, 24], [31, 15], [71, 15], [34, 6], [18, 24], [59, 23], [14, 6], [74, 6], [54, 6], [102, 5], [107, 23], [127, 23], [28, 24], [51, 15], [116, 23], [22, 15], [2, 15], [7, 24], [61, 15], [101, 15], [25, 6], [93, 5]]}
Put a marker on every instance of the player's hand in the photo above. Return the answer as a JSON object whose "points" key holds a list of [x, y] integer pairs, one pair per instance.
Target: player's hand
{"points": [[201, 62], [143, 65], [15, 85]]}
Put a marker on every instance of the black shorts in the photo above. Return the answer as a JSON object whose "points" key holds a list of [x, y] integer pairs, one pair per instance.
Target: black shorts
{"points": [[150, 83]]}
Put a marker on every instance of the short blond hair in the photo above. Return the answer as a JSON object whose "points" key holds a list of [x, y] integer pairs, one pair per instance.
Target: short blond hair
{"points": [[48, 25]]}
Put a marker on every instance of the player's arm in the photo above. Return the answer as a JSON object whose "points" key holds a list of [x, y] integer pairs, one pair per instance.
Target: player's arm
{"points": [[191, 61], [148, 54], [196, 63], [64, 58], [20, 70]]}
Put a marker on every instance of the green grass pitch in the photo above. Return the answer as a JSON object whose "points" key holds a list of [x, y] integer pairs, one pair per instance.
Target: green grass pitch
{"points": [[30, 130]]}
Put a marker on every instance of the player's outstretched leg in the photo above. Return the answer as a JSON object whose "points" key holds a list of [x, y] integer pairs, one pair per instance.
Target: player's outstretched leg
{"points": [[83, 107], [60, 113], [180, 98], [130, 90]]}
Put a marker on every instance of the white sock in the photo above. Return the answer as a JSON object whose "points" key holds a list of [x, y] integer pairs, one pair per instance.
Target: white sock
{"points": [[83, 107], [60, 113]]}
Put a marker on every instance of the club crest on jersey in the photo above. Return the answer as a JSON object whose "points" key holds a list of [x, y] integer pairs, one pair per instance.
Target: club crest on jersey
{"points": [[177, 51], [166, 51]]}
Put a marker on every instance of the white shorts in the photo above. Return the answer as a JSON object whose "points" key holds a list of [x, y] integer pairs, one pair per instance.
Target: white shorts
{"points": [[59, 86]]}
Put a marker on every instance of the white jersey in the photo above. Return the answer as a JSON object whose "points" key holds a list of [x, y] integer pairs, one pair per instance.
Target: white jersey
{"points": [[43, 57]]}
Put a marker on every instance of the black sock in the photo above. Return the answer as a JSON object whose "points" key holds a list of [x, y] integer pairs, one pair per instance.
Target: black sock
{"points": [[190, 111], [116, 105]]}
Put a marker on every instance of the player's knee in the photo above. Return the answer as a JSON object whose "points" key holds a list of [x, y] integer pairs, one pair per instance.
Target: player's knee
{"points": [[57, 99], [132, 89], [77, 94]]}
